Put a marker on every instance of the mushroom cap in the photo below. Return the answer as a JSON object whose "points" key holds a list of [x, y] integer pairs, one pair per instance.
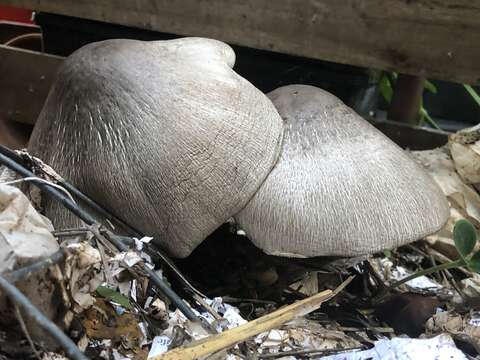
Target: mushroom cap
{"points": [[163, 134], [340, 186]]}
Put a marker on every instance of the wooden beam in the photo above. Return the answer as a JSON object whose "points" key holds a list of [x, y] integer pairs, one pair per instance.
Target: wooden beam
{"points": [[434, 39], [26, 77]]}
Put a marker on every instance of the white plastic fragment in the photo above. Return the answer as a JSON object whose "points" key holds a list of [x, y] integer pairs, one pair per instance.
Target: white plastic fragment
{"points": [[140, 242], [143, 326], [148, 302], [233, 317], [176, 318], [272, 338], [124, 287], [117, 356], [440, 347], [228, 312], [129, 257], [133, 290], [390, 274], [475, 321], [159, 345], [419, 283]]}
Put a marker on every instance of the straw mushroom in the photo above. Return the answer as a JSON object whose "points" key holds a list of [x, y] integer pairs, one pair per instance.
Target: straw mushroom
{"points": [[340, 186], [163, 134]]}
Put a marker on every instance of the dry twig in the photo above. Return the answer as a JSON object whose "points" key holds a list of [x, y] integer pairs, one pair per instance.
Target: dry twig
{"points": [[212, 344]]}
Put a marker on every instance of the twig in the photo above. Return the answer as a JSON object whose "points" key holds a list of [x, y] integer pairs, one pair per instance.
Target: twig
{"points": [[376, 277], [18, 298], [26, 333], [384, 330], [70, 232], [454, 284], [103, 257], [228, 338], [207, 307], [342, 286]]}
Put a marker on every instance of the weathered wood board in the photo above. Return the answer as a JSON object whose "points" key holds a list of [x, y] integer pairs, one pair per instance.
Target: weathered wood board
{"points": [[26, 77], [433, 38]]}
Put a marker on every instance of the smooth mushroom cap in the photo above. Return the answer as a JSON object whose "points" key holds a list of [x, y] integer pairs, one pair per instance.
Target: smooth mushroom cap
{"points": [[340, 186], [163, 134]]}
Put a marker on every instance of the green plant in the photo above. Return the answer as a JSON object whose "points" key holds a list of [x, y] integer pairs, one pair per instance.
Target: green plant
{"points": [[114, 296], [472, 93], [465, 238], [386, 85]]}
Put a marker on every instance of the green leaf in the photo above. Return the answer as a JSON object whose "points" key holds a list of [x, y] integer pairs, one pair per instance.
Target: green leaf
{"points": [[465, 237], [424, 115], [430, 87], [474, 262], [114, 296], [472, 93], [385, 87]]}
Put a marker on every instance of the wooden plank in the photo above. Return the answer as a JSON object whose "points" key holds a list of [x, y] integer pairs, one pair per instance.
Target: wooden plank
{"points": [[26, 79], [430, 38]]}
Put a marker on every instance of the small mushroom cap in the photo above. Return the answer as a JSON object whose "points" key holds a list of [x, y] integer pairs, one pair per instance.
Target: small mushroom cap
{"points": [[164, 134], [340, 186]]}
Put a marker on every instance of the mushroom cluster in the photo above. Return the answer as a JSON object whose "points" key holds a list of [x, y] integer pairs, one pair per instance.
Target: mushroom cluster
{"points": [[168, 137]]}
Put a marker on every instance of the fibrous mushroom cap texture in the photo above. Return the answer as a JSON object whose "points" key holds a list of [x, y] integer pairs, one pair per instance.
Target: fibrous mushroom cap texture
{"points": [[340, 186], [164, 134]]}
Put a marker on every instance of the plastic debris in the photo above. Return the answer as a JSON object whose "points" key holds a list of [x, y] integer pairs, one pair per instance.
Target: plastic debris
{"points": [[440, 347]]}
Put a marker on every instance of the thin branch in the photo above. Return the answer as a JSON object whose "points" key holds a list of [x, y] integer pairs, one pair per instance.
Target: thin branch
{"points": [[26, 333]]}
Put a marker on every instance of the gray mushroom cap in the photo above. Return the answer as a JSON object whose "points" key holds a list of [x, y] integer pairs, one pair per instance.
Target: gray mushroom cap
{"points": [[163, 134], [340, 186]]}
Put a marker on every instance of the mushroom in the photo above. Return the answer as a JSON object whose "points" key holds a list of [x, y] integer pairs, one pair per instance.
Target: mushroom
{"points": [[340, 186], [164, 134]]}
